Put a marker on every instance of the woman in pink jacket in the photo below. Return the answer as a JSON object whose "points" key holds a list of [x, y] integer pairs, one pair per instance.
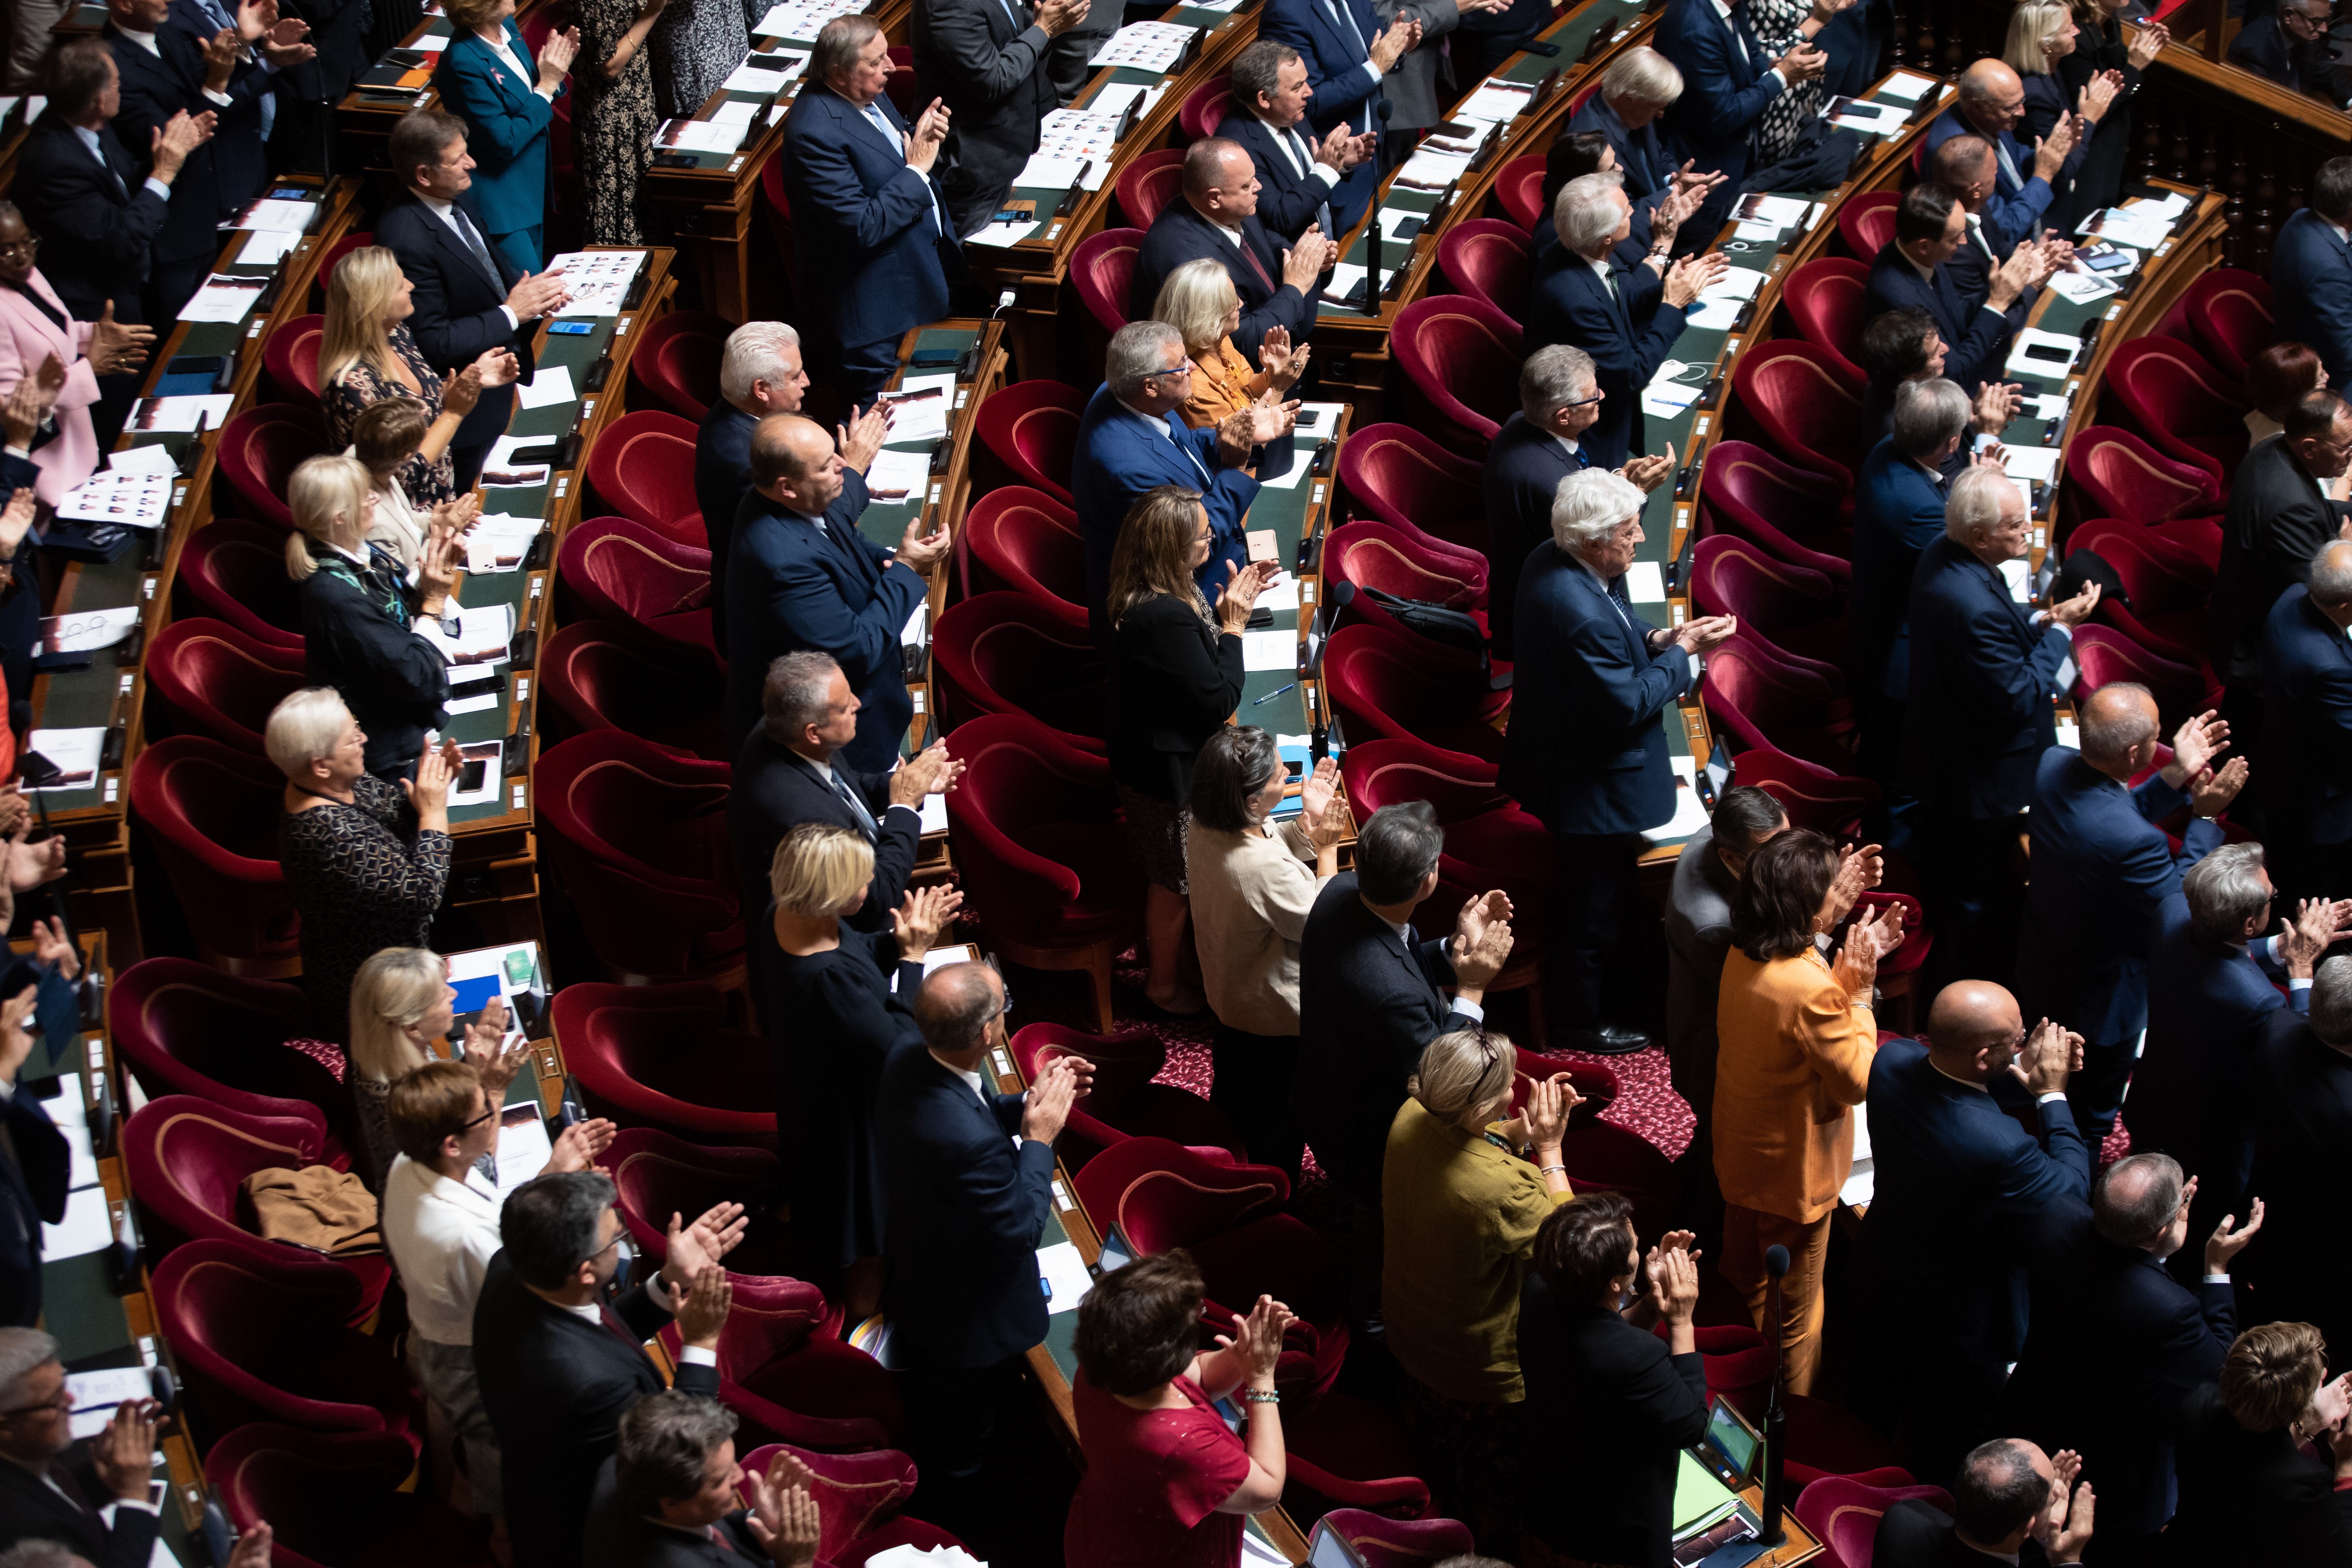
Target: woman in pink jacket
{"points": [[34, 325]]}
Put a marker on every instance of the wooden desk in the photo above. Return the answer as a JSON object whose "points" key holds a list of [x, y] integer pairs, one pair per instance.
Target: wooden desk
{"points": [[363, 119]]}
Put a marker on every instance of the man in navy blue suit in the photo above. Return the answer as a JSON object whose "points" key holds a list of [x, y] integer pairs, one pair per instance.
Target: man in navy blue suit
{"points": [[1639, 85], [869, 224], [1899, 512], [2292, 47], [1586, 751], [1957, 1184], [1913, 271], [2101, 866], [1131, 441], [2311, 272], [1728, 82], [1215, 217], [1626, 317], [2300, 1096], [1984, 668], [967, 1212], [1347, 56], [2280, 514], [1965, 166], [1302, 182], [2306, 760], [1991, 105], [805, 577]]}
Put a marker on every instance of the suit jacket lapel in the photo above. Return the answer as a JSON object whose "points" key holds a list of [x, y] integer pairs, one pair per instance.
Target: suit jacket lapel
{"points": [[1610, 608]]}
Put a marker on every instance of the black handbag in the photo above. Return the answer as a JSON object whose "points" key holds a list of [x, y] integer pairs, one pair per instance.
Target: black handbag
{"points": [[1453, 628]]}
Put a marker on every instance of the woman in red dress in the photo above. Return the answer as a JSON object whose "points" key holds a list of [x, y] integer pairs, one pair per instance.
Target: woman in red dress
{"points": [[1167, 1481]]}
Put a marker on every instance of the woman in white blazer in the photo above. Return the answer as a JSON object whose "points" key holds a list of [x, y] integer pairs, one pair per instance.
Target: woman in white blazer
{"points": [[34, 325], [1251, 887]]}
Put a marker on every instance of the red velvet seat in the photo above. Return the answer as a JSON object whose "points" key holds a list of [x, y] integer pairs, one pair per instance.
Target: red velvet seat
{"points": [[1824, 297], [1867, 222], [2110, 472], [234, 570], [186, 1028], [1462, 355], [1033, 825], [1813, 796], [290, 358], [1519, 187], [1102, 268], [1374, 555], [1492, 261], [2182, 690], [657, 1175], [1395, 473], [2166, 391], [675, 365], [1385, 685], [1149, 183], [639, 836], [207, 677], [1349, 1453], [1030, 428], [1205, 107], [333, 258], [2231, 315], [339, 1498], [642, 466], [662, 1056], [1789, 512], [1025, 541], [858, 1498], [210, 812], [1796, 398], [1843, 1514], [602, 680], [1124, 1102], [1160, 1195], [1793, 608], [2169, 595], [1758, 699], [260, 449], [1397, 1542], [1014, 654], [785, 1372], [776, 208], [642, 583]]}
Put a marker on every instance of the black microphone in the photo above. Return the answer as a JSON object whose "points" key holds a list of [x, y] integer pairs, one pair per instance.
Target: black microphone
{"points": [[1776, 1261], [1543, 47]]}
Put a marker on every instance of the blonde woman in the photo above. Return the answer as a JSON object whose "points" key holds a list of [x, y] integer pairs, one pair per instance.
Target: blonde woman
{"points": [[835, 1019], [1464, 1190], [367, 862], [2041, 33], [403, 1007], [1175, 678], [358, 606], [1199, 300], [365, 353], [384, 437]]}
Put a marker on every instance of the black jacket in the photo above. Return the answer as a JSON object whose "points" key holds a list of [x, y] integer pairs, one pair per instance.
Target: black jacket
{"points": [[722, 479], [29, 1510], [154, 88], [97, 235], [1917, 1534], [33, 1187], [2252, 1497], [2302, 1099], [1976, 339], [775, 790], [395, 685], [618, 1538], [1286, 201], [2263, 46], [2278, 520], [459, 311], [1174, 681], [1524, 467], [997, 82], [555, 1386], [1179, 235]]}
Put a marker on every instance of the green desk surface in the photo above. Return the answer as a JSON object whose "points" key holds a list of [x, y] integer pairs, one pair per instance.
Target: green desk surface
{"points": [[885, 522], [1288, 513]]}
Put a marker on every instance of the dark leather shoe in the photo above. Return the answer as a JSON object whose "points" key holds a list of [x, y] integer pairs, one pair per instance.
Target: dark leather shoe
{"points": [[1608, 1040]]}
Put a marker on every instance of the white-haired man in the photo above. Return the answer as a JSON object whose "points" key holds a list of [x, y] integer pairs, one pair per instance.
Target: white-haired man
{"points": [[42, 1498]]}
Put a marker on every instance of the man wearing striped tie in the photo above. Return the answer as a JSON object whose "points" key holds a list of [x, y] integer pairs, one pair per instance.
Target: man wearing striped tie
{"points": [[1326, 182]]}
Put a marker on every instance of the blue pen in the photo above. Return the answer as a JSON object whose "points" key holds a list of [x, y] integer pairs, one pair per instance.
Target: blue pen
{"points": [[1262, 702]]}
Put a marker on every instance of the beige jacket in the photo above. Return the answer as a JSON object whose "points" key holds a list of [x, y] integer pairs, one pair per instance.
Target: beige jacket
{"points": [[1250, 897]]}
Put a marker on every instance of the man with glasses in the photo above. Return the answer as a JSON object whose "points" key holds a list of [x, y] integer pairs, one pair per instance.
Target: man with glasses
{"points": [[440, 1218], [2291, 48], [1991, 105], [42, 1498]]}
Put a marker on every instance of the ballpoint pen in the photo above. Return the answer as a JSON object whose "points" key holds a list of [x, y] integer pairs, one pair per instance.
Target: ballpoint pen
{"points": [[1262, 702]]}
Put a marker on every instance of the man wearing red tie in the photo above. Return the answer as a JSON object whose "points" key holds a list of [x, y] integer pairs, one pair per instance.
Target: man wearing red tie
{"points": [[1218, 218]]}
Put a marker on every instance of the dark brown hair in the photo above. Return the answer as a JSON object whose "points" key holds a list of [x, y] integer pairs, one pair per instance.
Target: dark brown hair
{"points": [[2281, 376], [2271, 1373], [1141, 1325], [1779, 894], [1582, 1245], [429, 1104]]}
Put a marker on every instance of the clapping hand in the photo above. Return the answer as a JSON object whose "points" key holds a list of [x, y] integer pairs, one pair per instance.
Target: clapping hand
{"points": [[695, 1247], [2073, 612], [462, 389], [2051, 1055], [2210, 793], [784, 1516], [1860, 869], [2148, 44], [2064, 1527], [1317, 795], [860, 439], [498, 367], [1867, 941], [577, 1146], [921, 551], [928, 772], [1998, 402], [2195, 744], [2226, 1243], [16, 521], [30, 400], [1482, 939], [1543, 1121], [123, 1455], [53, 947], [16, 1032], [1256, 1339], [115, 346], [1671, 1271], [1646, 474], [1281, 362], [1688, 278], [1701, 633], [1243, 585], [702, 1314], [253, 1548], [916, 924]]}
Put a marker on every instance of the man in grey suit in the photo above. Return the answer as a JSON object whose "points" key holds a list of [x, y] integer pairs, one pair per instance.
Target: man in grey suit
{"points": [[987, 61], [1415, 100]]}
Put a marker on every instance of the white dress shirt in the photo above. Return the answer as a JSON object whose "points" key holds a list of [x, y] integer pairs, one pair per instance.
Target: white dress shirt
{"points": [[458, 223], [442, 1236]]}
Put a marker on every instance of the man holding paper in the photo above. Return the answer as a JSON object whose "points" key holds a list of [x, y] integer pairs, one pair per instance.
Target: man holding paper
{"points": [[990, 62]]}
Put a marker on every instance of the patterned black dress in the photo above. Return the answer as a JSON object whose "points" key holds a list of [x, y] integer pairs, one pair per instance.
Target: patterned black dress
{"points": [[364, 877], [613, 124], [348, 396]]}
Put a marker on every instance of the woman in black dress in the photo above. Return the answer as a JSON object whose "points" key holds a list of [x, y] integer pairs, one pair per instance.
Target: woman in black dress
{"points": [[2100, 47], [834, 1018], [1175, 678]]}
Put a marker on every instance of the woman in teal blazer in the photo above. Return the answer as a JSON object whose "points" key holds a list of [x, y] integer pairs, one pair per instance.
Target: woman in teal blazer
{"points": [[506, 101]]}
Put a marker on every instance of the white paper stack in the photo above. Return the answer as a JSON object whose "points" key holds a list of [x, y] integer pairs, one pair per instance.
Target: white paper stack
{"points": [[919, 409], [765, 73], [2043, 356], [1270, 650], [266, 247], [2168, 210], [1501, 101], [523, 1147], [1345, 275], [549, 385], [698, 136], [802, 19], [499, 469], [1717, 306], [1084, 136], [499, 544], [899, 477], [483, 633], [76, 752], [599, 279], [1043, 174], [735, 112], [2031, 463], [1153, 46], [2123, 225], [1427, 171], [1780, 212], [175, 413], [129, 500], [1904, 88], [293, 216], [87, 631]]}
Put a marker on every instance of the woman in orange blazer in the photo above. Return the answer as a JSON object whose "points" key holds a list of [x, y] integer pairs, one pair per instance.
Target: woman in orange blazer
{"points": [[1199, 300], [1798, 1036]]}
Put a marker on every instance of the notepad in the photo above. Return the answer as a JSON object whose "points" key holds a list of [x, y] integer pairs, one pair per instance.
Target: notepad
{"points": [[550, 383], [1904, 88], [1270, 650]]}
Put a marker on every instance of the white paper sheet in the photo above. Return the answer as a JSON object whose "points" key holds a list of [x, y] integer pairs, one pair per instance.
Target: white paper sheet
{"points": [[1270, 650], [1065, 1271], [150, 460], [2018, 575], [1319, 419], [1905, 88], [2121, 227], [131, 500], [699, 136], [749, 77], [1153, 46], [1646, 583], [1113, 100], [86, 1227], [899, 477], [2081, 287], [2030, 462], [2168, 209], [1003, 236], [919, 409], [76, 752], [225, 297], [803, 18], [263, 246], [87, 631], [1689, 814], [484, 632], [498, 544], [1393, 219], [523, 1146], [280, 214], [1043, 174], [2048, 405], [1496, 100], [481, 702], [735, 112], [550, 383], [598, 279], [176, 414], [1282, 594], [1426, 171], [97, 1395], [1345, 276], [1779, 211], [2041, 366]]}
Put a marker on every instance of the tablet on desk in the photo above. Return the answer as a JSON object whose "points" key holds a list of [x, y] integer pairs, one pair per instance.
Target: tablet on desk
{"points": [[1731, 1447]]}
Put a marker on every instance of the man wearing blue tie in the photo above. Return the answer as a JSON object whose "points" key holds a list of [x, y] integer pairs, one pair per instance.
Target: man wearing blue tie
{"points": [[1346, 56], [1728, 82], [1302, 182], [1991, 105], [1131, 441]]}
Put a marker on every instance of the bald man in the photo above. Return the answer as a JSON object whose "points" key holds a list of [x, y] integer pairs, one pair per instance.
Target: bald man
{"points": [[2008, 1492], [2102, 868], [1991, 103], [1959, 1188], [801, 576], [1216, 216]]}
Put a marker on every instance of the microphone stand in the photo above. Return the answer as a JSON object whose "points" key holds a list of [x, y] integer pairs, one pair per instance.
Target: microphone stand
{"points": [[1776, 1419]]}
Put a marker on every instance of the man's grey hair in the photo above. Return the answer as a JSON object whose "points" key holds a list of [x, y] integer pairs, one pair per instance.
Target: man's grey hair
{"points": [[794, 694], [1588, 505], [1585, 213], [755, 351], [2331, 574], [1926, 414], [2331, 1001], [838, 43], [1972, 509], [22, 1353], [2225, 890], [1642, 73], [2135, 1198], [42, 1554], [1551, 379], [1139, 350], [661, 1450], [1258, 69]]}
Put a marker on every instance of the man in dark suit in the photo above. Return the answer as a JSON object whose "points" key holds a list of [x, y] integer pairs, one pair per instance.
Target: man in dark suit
{"points": [[1965, 165], [2291, 46], [164, 71], [1639, 85], [1991, 105], [1899, 512], [989, 61], [2306, 757], [85, 197], [1349, 56], [2279, 517], [2311, 272], [1215, 216], [804, 576], [1957, 1182], [1585, 751], [2302, 1103], [35, 1161], [1983, 670], [1131, 440], [1728, 83], [669, 1497], [42, 1498], [263, 43], [559, 1366], [1626, 317], [2115, 1347], [2101, 869], [469, 299], [2007, 1498], [1303, 182], [967, 1212], [1913, 271], [877, 249]]}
